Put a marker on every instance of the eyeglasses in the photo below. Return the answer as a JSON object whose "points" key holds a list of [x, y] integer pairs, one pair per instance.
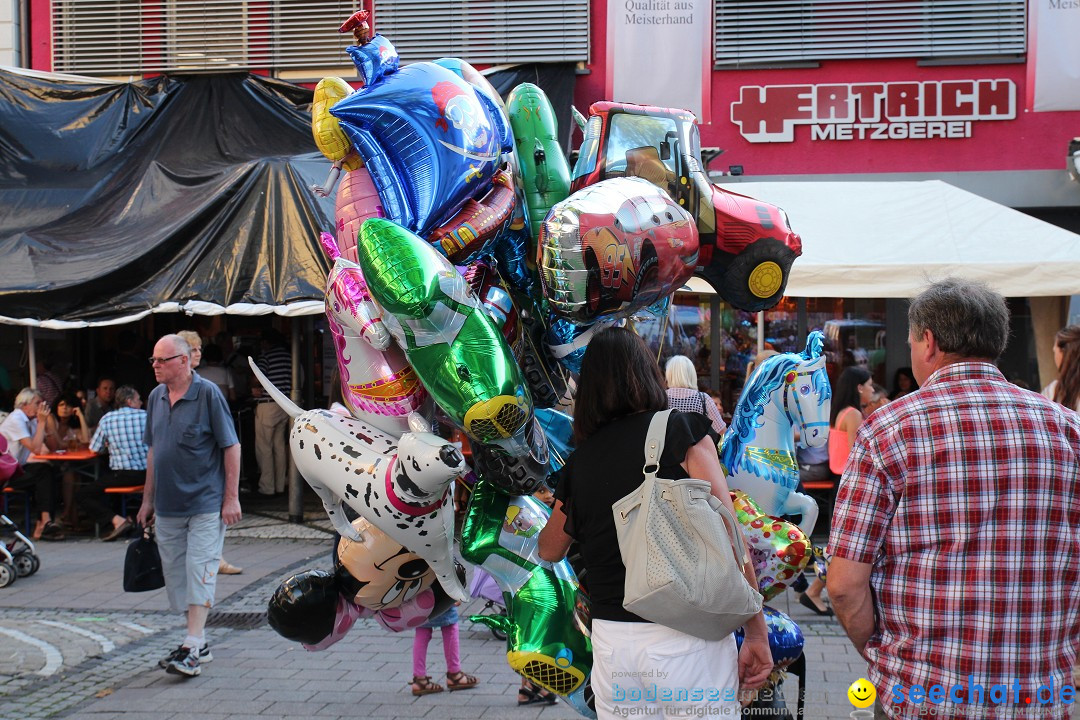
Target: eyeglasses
{"points": [[162, 361]]}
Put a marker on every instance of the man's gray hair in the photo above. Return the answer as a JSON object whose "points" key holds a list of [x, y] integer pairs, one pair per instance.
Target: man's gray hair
{"points": [[180, 344], [125, 394], [967, 318], [26, 396]]}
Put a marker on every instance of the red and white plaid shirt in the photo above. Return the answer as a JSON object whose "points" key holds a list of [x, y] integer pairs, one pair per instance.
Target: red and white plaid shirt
{"points": [[965, 498]]}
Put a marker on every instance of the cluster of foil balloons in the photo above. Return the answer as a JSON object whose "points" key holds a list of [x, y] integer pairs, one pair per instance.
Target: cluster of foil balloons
{"points": [[466, 282]]}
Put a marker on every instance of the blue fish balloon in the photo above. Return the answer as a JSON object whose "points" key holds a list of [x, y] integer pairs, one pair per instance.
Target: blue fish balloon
{"points": [[429, 139]]}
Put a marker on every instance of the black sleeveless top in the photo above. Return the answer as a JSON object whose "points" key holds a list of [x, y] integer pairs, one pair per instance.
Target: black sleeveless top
{"points": [[603, 470]]}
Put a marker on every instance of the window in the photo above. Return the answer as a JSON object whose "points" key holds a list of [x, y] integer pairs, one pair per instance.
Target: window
{"points": [[486, 31], [761, 32], [118, 37], [634, 146]]}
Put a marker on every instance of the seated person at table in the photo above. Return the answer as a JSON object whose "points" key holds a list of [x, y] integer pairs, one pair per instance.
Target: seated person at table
{"points": [[69, 424], [121, 431], [26, 432], [104, 401]]}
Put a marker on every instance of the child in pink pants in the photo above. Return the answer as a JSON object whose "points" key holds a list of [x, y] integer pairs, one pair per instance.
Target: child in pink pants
{"points": [[455, 678]]}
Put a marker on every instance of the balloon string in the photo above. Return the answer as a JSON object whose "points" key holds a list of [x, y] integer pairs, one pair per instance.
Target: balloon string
{"points": [[556, 453], [663, 334]]}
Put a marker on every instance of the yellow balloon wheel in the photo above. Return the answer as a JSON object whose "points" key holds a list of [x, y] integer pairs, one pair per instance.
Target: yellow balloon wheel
{"points": [[765, 280]]}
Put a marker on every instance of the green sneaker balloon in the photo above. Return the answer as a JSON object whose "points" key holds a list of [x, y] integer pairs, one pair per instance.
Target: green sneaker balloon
{"points": [[456, 350], [547, 614]]}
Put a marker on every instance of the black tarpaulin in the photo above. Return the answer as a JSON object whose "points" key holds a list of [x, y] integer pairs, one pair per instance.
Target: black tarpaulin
{"points": [[170, 193]]}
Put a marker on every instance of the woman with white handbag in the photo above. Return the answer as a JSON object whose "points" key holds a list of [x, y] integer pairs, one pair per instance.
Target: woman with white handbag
{"points": [[643, 667]]}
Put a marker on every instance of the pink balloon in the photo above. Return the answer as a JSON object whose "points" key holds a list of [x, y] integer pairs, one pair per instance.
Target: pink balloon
{"points": [[357, 200]]}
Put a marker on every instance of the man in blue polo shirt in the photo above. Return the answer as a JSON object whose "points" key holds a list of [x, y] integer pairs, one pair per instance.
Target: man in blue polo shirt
{"points": [[192, 487]]}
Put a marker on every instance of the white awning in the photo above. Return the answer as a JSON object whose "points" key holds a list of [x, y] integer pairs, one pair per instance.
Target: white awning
{"points": [[890, 239]]}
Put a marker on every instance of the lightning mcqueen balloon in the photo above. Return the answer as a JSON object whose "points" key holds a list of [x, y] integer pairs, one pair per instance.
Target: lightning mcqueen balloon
{"points": [[614, 248]]}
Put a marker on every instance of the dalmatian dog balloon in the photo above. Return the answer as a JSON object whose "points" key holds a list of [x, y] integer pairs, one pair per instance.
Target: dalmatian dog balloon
{"points": [[402, 487]]}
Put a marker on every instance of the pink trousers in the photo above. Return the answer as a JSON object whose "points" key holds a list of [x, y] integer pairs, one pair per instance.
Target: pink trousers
{"points": [[450, 650]]}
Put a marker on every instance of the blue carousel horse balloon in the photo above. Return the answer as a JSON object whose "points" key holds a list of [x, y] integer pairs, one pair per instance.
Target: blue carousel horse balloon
{"points": [[429, 139], [787, 392]]}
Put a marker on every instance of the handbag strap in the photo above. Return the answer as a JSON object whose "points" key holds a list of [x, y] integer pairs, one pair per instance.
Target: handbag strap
{"points": [[654, 448], [654, 443]]}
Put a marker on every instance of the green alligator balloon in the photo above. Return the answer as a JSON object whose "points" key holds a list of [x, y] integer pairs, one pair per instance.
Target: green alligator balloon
{"points": [[547, 614], [455, 348], [545, 172]]}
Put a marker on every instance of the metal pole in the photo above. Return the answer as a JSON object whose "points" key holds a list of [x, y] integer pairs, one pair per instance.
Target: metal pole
{"points": [[803, 322], [714, 341], [296, 487], [761, 331], [31, 355]]}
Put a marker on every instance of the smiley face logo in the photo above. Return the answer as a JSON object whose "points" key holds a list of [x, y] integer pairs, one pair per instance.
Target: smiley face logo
{"points": [[861, 693]]}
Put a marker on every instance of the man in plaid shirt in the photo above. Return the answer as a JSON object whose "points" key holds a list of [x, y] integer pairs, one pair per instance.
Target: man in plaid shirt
{"points": [[955, 524], [121, 432]]}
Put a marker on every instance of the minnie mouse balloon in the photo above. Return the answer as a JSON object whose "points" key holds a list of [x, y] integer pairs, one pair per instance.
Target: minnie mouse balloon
{"points": [[377, 572]]}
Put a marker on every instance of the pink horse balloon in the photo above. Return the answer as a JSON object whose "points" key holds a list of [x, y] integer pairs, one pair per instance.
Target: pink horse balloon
{"points": [[377, 383]]}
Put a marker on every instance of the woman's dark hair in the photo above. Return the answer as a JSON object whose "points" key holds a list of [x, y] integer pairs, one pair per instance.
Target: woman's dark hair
{"points": [[1068, 387], [846, 392], [619, 377], [902, 372], [72, 401]]}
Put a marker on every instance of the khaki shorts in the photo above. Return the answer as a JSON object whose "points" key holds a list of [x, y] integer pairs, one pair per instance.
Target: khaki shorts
{"points": [[190, 550]]}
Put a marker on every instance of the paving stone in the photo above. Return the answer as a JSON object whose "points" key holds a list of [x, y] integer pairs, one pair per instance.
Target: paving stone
{"points": [[256, 673]]}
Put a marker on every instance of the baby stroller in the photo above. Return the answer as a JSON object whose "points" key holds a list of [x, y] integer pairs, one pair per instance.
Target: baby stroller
{"points": [[18, 557], [484, 586]]}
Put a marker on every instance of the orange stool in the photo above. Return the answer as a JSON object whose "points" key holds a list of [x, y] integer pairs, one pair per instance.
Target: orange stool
{"points": [[125, 494]]}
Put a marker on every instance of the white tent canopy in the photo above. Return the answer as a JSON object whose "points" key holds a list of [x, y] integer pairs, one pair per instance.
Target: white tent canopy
{"points": [[890, 239]]}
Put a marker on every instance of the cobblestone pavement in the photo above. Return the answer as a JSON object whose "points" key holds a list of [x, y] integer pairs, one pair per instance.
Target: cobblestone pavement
{"points": [[73, 646]]}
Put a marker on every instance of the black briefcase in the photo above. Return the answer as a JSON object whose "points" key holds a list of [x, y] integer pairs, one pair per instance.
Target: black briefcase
{"points": [[142, 566]]}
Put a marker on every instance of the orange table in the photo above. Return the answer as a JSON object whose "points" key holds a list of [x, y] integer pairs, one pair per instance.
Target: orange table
{"points": [[83, 461]]}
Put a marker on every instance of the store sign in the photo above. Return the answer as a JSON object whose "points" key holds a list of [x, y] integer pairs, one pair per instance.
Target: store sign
{"points": [[1053, 81], [652, 46], [872, 111]]}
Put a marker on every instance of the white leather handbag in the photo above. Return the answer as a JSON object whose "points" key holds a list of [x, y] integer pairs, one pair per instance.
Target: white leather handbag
{"points": [[683, 552]]}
